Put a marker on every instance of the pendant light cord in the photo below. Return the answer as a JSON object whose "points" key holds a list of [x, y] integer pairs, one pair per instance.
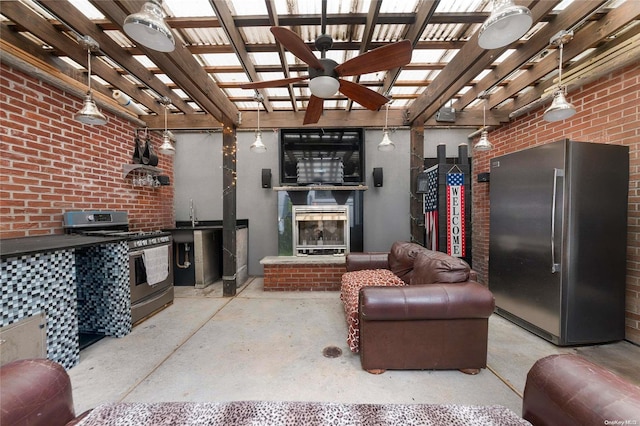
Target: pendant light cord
{"points": [[89, 69], [386, 118], [165, 118], [258, 115], [560, 68], [484, 114]]}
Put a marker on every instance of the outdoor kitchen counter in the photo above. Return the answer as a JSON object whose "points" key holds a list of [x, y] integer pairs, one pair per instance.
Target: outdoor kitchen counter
{"points": [[12, 247], [79, 282]]}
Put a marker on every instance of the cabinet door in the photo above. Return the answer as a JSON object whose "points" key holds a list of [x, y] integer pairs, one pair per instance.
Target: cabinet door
{"points": [[23, 339]]}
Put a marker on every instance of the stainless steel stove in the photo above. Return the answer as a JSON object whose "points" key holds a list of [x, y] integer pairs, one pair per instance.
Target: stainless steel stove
{"points": [[150, 257]]}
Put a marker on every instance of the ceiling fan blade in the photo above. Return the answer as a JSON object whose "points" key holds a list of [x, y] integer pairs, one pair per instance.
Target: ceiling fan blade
{"points": [[294, 44], [383, 58], [362, 95], [271, 83], [314, 110]]}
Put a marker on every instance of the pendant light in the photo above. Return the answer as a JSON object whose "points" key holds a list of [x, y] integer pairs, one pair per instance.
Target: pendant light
{"points": [[506, 24], [386, 144], [560, 109], [483, 144], [89, 113], [148, 27], [257, 146], [167, 147]]}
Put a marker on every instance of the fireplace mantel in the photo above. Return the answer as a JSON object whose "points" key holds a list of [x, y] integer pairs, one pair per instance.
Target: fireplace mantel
{"points": [[322, 188]]}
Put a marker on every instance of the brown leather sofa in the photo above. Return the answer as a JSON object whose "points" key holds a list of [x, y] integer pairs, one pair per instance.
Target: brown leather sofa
{"points": [[560, 390], [438, 320], [35, 392], [570, 390]]}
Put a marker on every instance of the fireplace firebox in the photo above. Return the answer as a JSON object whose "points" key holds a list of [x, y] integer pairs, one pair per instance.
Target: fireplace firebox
{"points": [[320, 229]]}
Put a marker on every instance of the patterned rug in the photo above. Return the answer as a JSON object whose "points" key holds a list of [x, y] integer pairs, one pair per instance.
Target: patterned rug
{"points": [[264, 413]]}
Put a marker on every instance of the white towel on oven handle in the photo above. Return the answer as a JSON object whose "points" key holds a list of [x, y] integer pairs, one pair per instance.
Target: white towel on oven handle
{"points": [[156, 262]]}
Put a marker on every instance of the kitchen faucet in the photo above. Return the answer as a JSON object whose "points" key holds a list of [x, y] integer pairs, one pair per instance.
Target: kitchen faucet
{"points": [[192, 213]]}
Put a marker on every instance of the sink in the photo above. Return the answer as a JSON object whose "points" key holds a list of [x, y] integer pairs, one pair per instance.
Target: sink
{"points": [[182, 235]]}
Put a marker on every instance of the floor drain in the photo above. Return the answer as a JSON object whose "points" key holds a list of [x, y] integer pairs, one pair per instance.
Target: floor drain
{"points": [[332, 352]]}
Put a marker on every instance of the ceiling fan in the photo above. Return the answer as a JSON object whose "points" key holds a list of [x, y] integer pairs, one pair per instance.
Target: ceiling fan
{"points": [[324, 73]]}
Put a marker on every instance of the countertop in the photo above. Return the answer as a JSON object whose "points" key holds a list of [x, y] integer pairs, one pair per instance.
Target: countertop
{"points": [[320, 259], [206, 224], [12, 247]]}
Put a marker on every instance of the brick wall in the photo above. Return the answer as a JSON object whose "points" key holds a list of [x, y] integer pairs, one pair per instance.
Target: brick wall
{"points": [[301, 277], [608, 112], [51, 163]]}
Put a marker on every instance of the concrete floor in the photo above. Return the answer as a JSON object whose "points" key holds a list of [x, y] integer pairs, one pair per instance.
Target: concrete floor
{"points": [[269, 346]]}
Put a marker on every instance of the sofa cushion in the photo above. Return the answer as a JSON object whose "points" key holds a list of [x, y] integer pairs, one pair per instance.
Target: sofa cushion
{"points": [[352, 282], [401, 258], [436, 267], [427, 302]]}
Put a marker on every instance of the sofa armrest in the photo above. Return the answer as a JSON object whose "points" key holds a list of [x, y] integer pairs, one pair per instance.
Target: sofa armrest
{"points": [[570, 390], [426, 301], [35, 392], [370, 260]]}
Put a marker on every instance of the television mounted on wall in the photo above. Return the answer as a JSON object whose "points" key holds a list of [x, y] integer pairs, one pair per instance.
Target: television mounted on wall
{"points": [[322, 156]]}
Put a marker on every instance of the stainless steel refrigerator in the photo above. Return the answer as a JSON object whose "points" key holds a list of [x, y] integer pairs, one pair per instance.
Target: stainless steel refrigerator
{"points": [[557, 242]]}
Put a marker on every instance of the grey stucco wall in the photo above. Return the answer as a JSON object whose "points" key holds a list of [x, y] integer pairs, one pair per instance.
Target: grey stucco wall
{"points": [[198, 177]]}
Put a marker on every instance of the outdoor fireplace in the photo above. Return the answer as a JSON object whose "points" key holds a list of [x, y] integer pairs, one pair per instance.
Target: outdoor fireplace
{"points": [[320, 229]]}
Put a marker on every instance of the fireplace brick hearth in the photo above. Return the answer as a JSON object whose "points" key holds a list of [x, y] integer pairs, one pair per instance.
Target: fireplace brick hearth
{"points": [[310, 273]]}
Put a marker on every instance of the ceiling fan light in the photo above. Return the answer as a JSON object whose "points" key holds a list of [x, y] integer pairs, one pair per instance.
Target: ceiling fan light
{"points": [[560, 109], [148, 28], [167, 147], [386, 144], [483, 144], [89, 113], [506, 24], [324, 86], [258, 147]]}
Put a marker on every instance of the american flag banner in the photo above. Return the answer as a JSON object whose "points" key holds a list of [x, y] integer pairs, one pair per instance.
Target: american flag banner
{"points": [[431, 209], [455, 215]]}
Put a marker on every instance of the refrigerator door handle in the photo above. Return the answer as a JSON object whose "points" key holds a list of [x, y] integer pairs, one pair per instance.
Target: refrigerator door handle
{"points": [[555, 267]]}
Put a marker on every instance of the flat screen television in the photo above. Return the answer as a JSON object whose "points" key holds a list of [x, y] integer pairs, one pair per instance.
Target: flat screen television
{"points": [[322, 156]]}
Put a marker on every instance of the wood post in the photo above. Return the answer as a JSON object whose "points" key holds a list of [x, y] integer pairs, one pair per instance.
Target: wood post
{"points": [[416, 164], [229, 261]]}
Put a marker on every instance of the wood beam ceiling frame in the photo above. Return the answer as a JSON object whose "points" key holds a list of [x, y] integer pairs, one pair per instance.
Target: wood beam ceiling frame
{"points": [[275, 22], [367, 36], [583, 39], [84, 26], [463, 67], [179, 65], [237, 43], [414, 32], [41, 28], [576, 12], [294, 18]]}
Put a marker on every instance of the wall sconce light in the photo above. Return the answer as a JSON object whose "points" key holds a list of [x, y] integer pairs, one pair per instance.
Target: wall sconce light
{"points": [[483, 144], [167, 147], [257, 146], [386, 144], [506, 24], [89, 113], [148, 27], [560, 109]]}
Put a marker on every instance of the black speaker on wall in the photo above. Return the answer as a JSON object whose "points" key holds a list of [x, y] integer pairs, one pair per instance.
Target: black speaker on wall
{"points": [[266, 178], [377, 177]]}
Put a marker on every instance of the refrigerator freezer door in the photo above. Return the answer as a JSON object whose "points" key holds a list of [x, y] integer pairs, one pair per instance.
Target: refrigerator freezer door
{"points": [[526, 245], [595, 243]]}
